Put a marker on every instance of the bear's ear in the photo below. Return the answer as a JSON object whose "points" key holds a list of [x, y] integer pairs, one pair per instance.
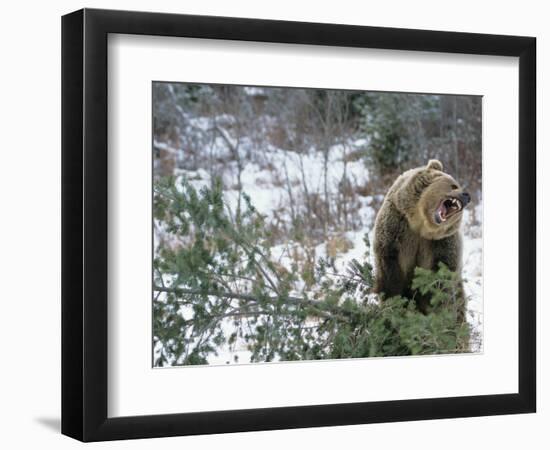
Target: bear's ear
{"points": [[434, 164]]}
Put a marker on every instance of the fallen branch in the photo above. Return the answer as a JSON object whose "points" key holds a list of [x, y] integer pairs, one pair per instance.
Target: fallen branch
{"points": [[320, 310]]}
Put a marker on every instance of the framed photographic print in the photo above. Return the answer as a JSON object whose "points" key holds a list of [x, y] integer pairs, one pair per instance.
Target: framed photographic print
{"points": [[273, 224]]}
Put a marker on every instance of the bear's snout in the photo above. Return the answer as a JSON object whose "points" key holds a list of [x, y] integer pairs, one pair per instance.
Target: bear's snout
{"points": [[465, 198]]}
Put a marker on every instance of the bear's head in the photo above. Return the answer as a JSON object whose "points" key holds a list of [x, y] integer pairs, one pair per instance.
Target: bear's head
{"points": [[432, 200]]}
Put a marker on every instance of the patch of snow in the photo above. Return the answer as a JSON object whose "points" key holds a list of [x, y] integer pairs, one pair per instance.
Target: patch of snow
{"points": [[252, 90]]}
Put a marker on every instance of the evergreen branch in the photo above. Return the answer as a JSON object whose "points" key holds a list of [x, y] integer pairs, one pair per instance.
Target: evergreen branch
{"points": [[321, 310]]}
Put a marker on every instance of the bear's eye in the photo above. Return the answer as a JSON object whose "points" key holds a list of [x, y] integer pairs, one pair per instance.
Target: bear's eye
{"points": [[454, 186]]}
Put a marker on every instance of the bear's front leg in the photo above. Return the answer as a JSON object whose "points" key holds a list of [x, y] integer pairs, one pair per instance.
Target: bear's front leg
{"points": [[390, 279], [448, 251]]}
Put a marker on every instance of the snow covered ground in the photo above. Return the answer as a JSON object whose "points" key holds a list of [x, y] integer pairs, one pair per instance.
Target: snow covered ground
{"points": [[473, 272]]}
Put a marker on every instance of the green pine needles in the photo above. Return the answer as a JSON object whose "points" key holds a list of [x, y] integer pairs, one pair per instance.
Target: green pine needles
{"points": [[217, 285]]}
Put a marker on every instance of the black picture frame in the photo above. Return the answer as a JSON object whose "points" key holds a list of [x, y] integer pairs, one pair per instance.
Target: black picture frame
{"points": [[84, 224]]}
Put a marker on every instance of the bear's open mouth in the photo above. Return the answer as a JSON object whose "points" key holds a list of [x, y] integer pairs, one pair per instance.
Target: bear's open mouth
{"points": [[447, 208]]}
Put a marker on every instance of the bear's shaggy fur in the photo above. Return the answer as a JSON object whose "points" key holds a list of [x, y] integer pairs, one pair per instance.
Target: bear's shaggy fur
{"points": [[418, 225]]}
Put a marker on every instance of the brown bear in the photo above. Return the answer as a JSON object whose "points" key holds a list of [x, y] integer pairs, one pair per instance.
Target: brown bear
{"points": [[418, 225]]}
